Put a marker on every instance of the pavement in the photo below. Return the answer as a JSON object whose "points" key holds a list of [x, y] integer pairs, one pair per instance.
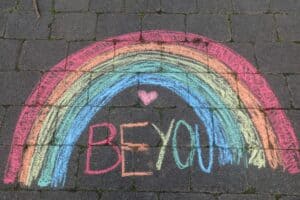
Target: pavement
{"points": [[265, 32]]}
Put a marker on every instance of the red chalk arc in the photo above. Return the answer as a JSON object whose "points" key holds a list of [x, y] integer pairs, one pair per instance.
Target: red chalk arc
{"points": [[245, 72]]}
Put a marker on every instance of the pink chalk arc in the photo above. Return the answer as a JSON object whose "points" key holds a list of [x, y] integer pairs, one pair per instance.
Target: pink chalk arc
{"points": [[285, 133]]}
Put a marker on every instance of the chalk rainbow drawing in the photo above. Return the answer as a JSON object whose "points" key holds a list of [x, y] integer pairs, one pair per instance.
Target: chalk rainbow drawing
{"points": [[202, 72]]}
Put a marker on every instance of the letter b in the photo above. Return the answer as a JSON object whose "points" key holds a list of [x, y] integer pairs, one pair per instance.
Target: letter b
{"points": [[107, 141]]}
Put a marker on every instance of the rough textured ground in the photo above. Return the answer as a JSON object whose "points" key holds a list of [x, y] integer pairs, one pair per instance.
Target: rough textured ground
{"points": [[266, 32]]}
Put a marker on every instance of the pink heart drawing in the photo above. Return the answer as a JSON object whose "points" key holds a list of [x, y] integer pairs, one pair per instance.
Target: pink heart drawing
{"points": [[147, 97]]}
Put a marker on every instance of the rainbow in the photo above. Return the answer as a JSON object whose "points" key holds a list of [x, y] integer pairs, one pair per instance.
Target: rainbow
{"points": [[204, 73]]}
